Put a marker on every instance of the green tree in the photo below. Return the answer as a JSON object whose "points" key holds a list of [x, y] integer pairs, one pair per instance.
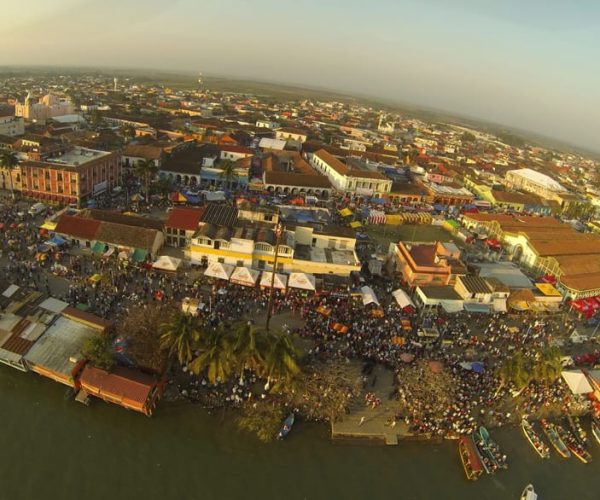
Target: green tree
{"points": [[180, 335], [281, 361], [547, 365], [228, 172], [98, 351], [146, 170], [215, 357], [9, 161], [95, 118], [250, 347], [515, 370], [127, 131]]}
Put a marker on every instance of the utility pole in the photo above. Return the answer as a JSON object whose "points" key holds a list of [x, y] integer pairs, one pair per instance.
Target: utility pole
{"points": [[278, 233]]}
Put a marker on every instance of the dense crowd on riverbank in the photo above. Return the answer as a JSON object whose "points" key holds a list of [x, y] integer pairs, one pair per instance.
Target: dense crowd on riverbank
{"points": [[437, 394]]}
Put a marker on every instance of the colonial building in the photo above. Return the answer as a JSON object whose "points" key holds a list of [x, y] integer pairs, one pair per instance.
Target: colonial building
{"points": [[547, 246], [48, 107], [301, 249], [11, 126], [73, 177], [350, 181], [534, 182]]}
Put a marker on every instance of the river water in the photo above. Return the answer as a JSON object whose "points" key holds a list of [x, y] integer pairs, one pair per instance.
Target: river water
{"points": [[52, 448]]}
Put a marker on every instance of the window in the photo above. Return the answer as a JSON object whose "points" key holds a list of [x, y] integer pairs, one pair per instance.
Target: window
{"points": [[217, 245], [240, 263], [221, 260], [260, 264]]}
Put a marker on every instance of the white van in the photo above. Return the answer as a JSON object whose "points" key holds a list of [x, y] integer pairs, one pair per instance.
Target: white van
{"points": [[37, 209]]}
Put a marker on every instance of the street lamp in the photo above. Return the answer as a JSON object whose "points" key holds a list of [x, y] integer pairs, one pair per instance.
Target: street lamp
{"points": [[278, 233]]}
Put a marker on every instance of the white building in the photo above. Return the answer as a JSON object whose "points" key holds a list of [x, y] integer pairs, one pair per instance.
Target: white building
{"points": [[48, 107], [12, 125], [352, 182], [534, 182]]}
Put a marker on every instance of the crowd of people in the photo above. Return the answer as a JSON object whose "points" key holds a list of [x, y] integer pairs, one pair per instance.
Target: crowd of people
{"points": [[434, 400]]}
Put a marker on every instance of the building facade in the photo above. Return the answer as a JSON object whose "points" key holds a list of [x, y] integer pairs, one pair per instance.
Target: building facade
{"points": [[74, 177], [349, 181], [12, 126]]}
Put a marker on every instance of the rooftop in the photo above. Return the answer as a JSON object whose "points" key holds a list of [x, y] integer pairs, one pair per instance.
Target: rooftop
{"points": [[538, 178], [59, 348], [78, 156]]}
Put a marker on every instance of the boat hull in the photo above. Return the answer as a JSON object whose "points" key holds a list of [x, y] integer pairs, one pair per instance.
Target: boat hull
{"points": [[535, 440]]}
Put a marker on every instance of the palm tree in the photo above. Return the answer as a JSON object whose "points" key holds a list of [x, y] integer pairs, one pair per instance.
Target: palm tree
{"points": [[215, 357], [146, 170], [228, 172], [9, 161], [180, 336], [249, 348], [281, 363]]}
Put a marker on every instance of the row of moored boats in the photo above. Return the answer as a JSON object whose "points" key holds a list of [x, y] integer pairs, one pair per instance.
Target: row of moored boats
{"points": [[567, 440], [479, 453]]}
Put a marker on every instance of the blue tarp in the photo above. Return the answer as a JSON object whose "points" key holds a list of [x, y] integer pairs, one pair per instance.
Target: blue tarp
{"points": [[477, 367], [193, 199], [57, 240], [440, 208], [379, 201]]}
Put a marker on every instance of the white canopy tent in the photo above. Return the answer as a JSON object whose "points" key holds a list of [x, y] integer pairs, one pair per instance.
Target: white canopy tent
{"points": [[402, 299], [368, 296], [280, 281], [244, 276], [303, 281], [166, 263], [219, 270], [577, 382]]}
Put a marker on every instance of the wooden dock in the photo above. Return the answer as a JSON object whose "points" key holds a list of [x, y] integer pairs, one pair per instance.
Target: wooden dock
{"points": [[376, 425]]}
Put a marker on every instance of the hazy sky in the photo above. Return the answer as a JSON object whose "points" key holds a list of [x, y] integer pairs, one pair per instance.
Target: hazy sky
{"points": [[533, 64]]}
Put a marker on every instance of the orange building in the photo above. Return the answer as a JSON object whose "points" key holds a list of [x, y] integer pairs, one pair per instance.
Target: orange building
{"points": [[125, 387], [427, 264]]}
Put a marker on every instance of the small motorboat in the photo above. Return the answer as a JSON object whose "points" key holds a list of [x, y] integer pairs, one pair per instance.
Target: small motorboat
{"points": [[535, 440], [287, 426], [596, 429], [469, 458], [554, 438], [529, 493]]}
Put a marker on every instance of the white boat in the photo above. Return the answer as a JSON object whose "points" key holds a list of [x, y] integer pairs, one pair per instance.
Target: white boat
{"points": [[529, 493]]}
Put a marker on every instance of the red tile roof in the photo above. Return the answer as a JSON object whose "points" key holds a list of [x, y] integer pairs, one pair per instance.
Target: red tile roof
{"points": [[236, 149], [184, 218], [332, 161], [121, 383], [77, 227]]}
